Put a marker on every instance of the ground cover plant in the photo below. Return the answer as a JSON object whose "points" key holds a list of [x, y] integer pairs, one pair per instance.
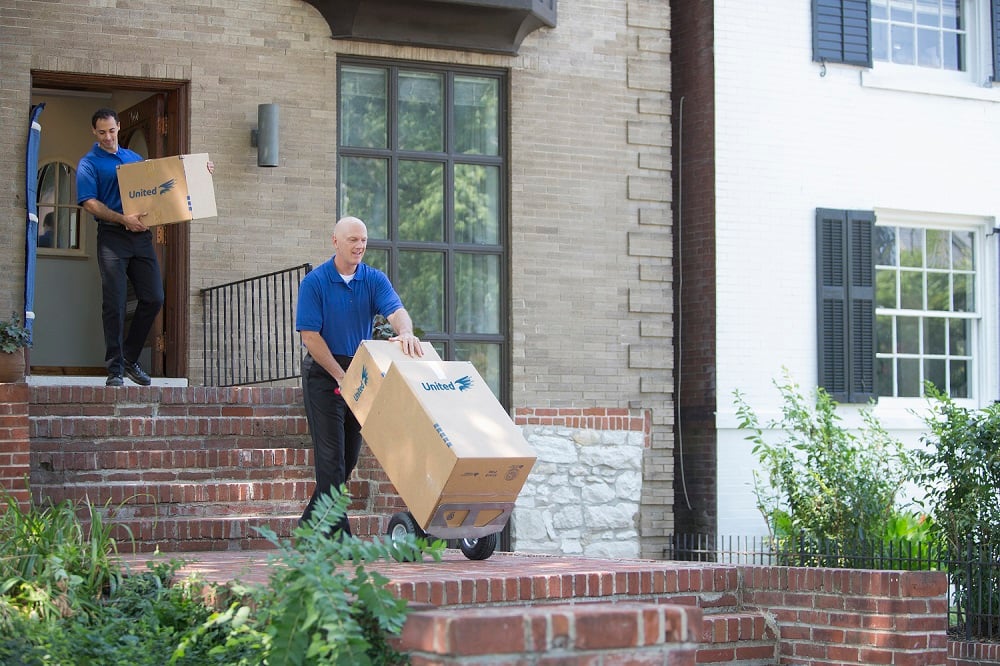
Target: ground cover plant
{"points": [[66, 599]]}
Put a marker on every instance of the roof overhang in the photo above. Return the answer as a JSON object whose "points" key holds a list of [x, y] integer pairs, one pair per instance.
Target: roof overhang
{"points": [[495, 26]]}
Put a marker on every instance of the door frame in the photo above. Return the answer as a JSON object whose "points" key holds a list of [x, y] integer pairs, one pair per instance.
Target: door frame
{"points": [[176, 309]]}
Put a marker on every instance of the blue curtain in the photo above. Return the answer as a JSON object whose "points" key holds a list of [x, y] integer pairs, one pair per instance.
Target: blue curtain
{"points": [[31, 198]]}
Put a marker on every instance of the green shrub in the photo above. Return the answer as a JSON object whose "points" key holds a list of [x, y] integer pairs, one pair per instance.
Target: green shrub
{"points": [[49, 565], [962, 482], [321, 605], [66, 600], [962, 470], [822, 484]]}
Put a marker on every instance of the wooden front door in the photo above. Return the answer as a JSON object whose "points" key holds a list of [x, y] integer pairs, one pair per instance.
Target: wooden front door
{"points": [[142, 128], [146, 129]]}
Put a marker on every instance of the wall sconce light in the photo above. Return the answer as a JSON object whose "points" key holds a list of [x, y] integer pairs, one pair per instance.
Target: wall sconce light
{"points": [[265, 137]]}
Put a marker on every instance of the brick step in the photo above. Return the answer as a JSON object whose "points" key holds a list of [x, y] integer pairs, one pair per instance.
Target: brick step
{"points": [[140, 490], [744, 638], [620, 633], [100, 435], [82, 455], [221, 533]]}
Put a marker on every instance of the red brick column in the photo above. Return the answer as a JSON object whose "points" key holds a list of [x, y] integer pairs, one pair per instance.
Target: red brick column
{"points": [[15, 466]]}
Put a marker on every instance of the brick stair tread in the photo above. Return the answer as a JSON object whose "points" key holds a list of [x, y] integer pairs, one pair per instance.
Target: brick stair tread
{"points": [[743, 638], [736, 626], [191, 533]]}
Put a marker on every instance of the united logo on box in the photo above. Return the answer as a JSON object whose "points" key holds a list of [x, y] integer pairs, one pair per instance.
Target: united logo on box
{"points": [[168, 189], [447, 445]]}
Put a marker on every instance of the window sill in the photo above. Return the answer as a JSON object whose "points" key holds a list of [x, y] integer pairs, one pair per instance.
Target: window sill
{"points": [[927, 82], [61, 253]]}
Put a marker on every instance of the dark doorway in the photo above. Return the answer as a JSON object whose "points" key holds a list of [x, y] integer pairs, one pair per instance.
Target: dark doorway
{"points": [[155, 124]]}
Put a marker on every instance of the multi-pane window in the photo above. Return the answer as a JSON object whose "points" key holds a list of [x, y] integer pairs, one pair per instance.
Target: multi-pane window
{"points": [[58, 215], [926, 310], [927, 33], [421, 160]]}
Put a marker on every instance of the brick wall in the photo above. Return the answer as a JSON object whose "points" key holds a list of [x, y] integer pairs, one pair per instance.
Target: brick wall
{"points": [[633, 634], [968, 653], [589, 176], [693, 37], [15, 446], [751, 615], [839, 616]]}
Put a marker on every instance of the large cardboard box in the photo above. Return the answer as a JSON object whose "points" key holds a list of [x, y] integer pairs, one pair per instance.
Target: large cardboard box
{"points": [[448, 446], [169, 189], [364, 376]]}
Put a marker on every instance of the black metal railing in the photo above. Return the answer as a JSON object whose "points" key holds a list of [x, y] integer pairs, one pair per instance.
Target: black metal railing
{"points": [[973, 570], [249, 329]]}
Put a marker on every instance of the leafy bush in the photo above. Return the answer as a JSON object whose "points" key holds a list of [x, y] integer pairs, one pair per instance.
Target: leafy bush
{"points": [[65, 600], [823, 483], [321, 606], [49, 566], [962, 481], [962, 470]]}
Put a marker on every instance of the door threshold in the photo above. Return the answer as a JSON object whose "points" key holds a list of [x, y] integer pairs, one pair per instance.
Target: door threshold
{"points": [[72, 380]]}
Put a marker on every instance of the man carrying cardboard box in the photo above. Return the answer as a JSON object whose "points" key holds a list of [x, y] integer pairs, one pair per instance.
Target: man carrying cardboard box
{"points": [[337, 304], [124, 251]]}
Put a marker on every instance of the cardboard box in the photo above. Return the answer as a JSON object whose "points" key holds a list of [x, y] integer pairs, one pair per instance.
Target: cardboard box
{"points": [[169, 189], [448, 446], [364, 376]]}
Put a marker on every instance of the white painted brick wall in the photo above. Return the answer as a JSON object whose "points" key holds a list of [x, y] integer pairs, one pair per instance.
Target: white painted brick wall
{"points": [[790, 140]]}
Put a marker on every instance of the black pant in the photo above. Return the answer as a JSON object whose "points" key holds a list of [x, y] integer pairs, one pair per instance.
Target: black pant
{"points": [[124, 256], [336, 434]]}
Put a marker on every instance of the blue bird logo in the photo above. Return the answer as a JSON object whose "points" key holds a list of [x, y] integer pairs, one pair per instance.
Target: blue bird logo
{"points": [[167, 186], [464, 383]]}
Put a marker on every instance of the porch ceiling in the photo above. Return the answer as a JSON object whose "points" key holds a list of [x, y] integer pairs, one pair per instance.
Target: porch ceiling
{"points": [[497, 26]]}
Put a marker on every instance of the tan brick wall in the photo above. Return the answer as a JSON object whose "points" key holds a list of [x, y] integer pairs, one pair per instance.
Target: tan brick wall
{"points": [[589, 174]]}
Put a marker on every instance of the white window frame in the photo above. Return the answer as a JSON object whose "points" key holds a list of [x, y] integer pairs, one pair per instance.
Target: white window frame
{"points": [[82, 218], [974, 83], [983, 373]]}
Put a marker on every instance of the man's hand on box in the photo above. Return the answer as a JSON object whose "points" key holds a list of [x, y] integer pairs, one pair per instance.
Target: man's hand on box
{"points": [[410, 343], [134, 222]]}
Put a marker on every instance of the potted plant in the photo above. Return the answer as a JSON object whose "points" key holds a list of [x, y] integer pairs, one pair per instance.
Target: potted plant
{"points": [[14, 337]]}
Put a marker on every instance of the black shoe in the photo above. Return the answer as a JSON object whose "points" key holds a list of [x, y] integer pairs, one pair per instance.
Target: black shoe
{"points": [[137, 374], [114, 380]]}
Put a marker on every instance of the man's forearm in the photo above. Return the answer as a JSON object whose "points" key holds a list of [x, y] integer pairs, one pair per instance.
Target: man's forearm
{"points": [[102, 212], [320, 352], [401, 322]]}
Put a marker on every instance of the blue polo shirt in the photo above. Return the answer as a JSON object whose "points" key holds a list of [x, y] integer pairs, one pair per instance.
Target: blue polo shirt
{"points": [[97, 176], [342, 313]]}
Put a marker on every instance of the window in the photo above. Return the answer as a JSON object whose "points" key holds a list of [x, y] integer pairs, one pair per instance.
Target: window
{"points": [[945, 35], [927, 33], [927, 309], [900, 303], [421, 159], [58, 215]]}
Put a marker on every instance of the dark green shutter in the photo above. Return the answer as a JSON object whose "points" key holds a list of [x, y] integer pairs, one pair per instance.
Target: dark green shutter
{"points": [[842, 31], [861, 295], [995, 22], [846, 304]]}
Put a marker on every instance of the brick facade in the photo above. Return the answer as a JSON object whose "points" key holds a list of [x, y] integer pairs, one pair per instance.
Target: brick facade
{"points": [[589, 176], [693, 37], [15, 445]]}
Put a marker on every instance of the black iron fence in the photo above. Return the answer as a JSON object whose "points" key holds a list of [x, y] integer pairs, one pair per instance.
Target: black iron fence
{"points": [[973, 570], [249, 329]]}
